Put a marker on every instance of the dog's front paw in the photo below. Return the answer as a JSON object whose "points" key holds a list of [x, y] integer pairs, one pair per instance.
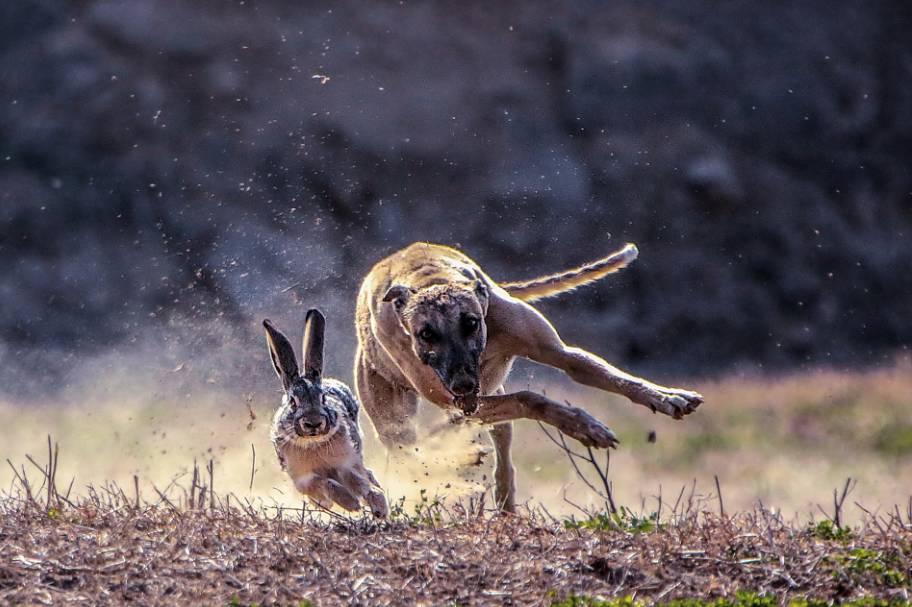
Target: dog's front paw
{"points": [[589, 431], [674, 402]]}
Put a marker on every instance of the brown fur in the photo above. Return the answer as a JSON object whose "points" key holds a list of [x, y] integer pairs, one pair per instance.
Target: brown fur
{"points": [[437, 289], [315, 431], [555, 284]]}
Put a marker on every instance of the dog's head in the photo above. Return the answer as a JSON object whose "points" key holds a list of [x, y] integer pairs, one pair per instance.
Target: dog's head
{"points": [[446, 326]]}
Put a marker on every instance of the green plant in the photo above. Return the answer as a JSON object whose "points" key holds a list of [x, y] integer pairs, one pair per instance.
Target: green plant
{"points": [[828, 530], [622, 520], [426, 511], [741, 599], [861, 563], [584, 601], [894, 439]]}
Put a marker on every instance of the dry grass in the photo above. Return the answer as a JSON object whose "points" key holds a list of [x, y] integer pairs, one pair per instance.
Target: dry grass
{"points": [[190, 545], [125, 527], [785, 441]]}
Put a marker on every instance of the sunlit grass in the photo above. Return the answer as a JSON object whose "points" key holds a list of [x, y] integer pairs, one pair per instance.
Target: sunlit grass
{"points": [[787, 441]]}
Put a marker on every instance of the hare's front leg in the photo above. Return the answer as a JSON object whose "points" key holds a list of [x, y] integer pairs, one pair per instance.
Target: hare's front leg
{"points": [[326, 491], [361, 481]]}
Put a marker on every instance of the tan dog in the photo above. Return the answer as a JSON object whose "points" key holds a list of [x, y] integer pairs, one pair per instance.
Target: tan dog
{"points": [[431, 323]]}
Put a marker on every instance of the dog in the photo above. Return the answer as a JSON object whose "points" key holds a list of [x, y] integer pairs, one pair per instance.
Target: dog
{"points": [[431, 323]]}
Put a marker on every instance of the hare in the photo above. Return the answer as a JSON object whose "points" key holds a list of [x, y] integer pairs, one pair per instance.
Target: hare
{"points": [[315, 431]]}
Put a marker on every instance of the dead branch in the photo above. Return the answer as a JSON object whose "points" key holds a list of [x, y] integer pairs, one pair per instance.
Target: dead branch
{"points": [[604, 492]]}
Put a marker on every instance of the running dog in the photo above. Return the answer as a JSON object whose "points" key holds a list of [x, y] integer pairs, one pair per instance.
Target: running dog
{"points": [[431, 323]]}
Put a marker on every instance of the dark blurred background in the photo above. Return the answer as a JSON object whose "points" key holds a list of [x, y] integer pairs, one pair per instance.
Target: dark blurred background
{"points": [[173, 166]]}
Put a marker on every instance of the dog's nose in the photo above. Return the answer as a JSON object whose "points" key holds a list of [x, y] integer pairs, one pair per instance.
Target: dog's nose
{"points": [[464, 385]]}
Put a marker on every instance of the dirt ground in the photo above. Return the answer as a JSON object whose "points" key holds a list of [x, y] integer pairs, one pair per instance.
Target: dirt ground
{"points": [[106, 550], [135, 514]]}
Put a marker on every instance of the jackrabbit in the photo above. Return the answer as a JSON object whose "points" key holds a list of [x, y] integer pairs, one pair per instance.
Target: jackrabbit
{"points": [[315, 431]]}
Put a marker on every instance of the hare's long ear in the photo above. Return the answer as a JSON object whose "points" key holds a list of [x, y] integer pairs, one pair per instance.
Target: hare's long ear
{"points": [[282, 354], [314, 328]]}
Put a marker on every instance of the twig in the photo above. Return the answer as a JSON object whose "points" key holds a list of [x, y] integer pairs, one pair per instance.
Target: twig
{"points": [[838, 501], [211, 468], [252, 465], [573, 456], [23, 480], [719, 495], [52, 472]]}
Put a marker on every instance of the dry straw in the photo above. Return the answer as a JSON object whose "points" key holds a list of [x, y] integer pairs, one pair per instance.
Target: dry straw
{"points": [[186, 543]]}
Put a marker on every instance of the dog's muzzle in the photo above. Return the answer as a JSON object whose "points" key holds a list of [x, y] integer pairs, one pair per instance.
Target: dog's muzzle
{"points": [[460, 384]]}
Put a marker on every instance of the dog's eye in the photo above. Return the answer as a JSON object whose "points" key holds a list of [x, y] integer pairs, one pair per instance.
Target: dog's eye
{"points": [[426, 334]]}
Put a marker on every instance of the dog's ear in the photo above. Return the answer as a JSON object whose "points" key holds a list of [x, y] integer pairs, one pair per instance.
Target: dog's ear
{"points": [[282, 355], [483, 295], [399, 296], [314, 328]]}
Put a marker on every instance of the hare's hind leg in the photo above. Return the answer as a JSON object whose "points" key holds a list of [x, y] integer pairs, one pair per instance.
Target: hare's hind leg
{"points": [[391, 409], [326, 491]]}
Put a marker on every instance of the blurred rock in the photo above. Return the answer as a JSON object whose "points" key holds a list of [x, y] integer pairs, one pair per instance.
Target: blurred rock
{"points": [[192, 160]]}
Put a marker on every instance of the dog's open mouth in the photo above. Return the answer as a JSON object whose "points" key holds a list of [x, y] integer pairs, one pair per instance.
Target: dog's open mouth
{"points": [[468, 403]]}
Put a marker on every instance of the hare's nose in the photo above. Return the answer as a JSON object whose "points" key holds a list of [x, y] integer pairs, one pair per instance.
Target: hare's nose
{"points": [[313, 422], [309, 426]]}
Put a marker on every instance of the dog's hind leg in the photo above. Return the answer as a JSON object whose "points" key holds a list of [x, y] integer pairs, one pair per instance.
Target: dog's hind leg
{"points": [[391, 409], [537, 340], [504, 473]]}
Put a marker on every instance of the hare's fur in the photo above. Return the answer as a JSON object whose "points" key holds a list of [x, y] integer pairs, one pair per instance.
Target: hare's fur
{"points": [[335, 457], [315, 430]]}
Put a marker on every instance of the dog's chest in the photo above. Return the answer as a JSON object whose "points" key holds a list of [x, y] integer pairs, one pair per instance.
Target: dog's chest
{"points": [[496, 363]]}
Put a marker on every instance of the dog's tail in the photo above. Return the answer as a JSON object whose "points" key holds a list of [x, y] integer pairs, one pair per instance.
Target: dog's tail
{"points": [[555, 284]]}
